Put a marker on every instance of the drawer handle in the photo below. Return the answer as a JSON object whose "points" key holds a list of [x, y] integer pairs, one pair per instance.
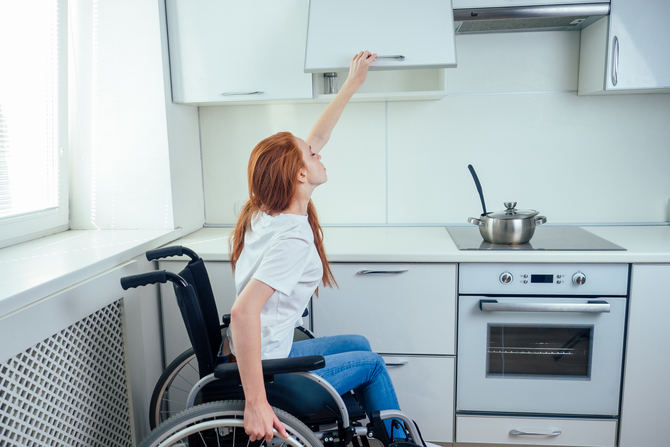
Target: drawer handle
{"points": [[394, 364], [255, 92], [380, 272], [548, 433]]}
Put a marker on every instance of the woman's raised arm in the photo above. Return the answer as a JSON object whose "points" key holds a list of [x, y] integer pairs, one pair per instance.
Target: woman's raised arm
{"points": [[358, 70]]}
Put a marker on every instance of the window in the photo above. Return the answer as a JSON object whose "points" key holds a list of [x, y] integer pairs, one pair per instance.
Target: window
{"points": [[33, 119]]}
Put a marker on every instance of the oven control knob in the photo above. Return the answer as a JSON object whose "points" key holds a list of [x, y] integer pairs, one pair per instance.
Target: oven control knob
{"points": [[506, 277], [579, 279]]}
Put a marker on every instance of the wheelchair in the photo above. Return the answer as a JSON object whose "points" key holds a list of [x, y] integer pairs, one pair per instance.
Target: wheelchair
{"points": [[312, 411]]}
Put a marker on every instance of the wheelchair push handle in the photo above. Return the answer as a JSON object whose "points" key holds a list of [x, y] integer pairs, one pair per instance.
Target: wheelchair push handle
{"points": [[143, 279], [168, 252]]}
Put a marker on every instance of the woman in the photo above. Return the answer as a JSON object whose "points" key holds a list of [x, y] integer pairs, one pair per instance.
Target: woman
{"points": [[278, 258]]}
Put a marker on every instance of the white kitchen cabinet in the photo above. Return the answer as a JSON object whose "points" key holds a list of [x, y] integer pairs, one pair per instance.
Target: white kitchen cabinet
{"points": [[408, 313], [417, 34], [223, 286], [400, 308], [237, 51], [645, 404], [627, 51], [425, 389], [536, 431]]}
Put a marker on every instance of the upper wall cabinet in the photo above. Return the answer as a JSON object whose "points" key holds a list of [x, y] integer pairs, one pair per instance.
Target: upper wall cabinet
{"points": [[230, 51], [405, 34], [628, 52]]}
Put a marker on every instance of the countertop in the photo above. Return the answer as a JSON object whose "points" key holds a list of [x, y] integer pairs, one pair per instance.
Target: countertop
{"points": [[643, 244]]}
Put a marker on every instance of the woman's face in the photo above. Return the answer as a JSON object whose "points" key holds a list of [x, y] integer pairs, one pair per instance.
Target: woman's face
{"points": [[316, 171]]}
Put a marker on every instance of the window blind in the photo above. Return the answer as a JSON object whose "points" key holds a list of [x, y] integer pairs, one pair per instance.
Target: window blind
{"points": [[31, 109]]}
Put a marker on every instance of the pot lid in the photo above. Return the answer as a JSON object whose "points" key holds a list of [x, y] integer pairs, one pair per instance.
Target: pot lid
{"points": [[511, 212]]}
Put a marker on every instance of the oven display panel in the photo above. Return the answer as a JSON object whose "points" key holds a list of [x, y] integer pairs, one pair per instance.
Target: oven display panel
{"points": [[542, 279]]}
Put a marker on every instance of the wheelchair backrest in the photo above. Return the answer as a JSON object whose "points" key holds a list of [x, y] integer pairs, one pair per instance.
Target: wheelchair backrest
{"points": [[191, 313], [195, 274]]}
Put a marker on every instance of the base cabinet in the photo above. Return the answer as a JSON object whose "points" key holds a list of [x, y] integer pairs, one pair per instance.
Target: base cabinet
{"points": [[645, 402], [536, 431], [425, 390]]}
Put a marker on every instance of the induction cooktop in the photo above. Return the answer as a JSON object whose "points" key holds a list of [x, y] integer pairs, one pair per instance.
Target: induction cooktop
{"points": [[546, 237]]}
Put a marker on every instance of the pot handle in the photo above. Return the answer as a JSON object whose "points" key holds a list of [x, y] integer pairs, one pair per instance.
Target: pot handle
{"points": [[475, 221], [539, 220]]}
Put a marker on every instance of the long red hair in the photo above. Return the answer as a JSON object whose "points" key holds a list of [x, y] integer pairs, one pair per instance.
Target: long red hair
{"points": [[272, 175]]}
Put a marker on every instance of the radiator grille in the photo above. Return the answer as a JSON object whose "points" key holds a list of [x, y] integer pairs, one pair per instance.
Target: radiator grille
{"points": [[70, 389]]}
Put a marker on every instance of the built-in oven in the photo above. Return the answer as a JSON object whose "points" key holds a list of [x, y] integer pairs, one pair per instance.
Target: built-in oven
{"points": [[541, 339]]}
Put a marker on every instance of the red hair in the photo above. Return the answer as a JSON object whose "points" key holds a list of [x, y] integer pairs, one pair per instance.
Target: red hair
{"points": [[272, 175]]}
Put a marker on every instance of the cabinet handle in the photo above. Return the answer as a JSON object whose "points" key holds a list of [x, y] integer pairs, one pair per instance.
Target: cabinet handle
{"points": [[548, 433], [380, 272], [255, 92], [398, 57], [615, 60], [393, 364]]}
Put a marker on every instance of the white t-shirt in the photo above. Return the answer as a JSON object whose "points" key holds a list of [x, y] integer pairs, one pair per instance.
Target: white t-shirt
{"points": [[280, 252]]}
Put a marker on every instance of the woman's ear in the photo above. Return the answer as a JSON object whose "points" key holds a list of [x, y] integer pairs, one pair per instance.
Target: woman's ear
{"points": [[302, 175]]}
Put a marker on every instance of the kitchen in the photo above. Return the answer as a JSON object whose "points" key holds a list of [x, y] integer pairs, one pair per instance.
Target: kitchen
{"points": [[510, 108]]}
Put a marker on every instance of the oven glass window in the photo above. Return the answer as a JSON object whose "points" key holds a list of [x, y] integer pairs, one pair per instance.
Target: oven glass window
{"points": [[539, 350]]}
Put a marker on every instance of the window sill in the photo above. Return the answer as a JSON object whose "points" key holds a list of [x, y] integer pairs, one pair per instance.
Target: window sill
{"points": [[36, 269]]}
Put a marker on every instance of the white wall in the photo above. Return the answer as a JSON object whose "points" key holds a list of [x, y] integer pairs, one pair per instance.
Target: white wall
{"points": [[511, 111]]}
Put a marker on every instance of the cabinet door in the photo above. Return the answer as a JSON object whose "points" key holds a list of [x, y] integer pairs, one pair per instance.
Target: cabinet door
{"points": [[226, 50], [400, 308], [645, 404], [421, 31], [174, 332], [639, 38], [425, 390]]}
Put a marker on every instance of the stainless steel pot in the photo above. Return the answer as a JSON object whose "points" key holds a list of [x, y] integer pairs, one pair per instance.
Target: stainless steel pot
{"points": [[510, 226]]}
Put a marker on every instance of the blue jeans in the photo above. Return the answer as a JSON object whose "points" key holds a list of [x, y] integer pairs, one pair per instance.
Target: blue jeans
{"points": [[351, 365]]}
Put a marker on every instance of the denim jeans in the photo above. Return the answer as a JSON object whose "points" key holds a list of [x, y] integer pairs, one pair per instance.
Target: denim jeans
{"points": [[351, 365]]}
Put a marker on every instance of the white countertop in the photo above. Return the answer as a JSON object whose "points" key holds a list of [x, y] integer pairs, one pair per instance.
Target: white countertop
{"points": [[643, 244]]}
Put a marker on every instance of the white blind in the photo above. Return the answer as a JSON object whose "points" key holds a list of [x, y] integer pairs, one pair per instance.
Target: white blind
{"points": [[29, 106]]}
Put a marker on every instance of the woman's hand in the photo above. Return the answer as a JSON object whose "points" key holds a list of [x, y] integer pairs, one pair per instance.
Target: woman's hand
{"points": [[358, 69], [259, 420]]}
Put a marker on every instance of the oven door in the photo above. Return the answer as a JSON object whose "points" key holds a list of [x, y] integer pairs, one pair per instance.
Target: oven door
{"points": [[540, 355]]}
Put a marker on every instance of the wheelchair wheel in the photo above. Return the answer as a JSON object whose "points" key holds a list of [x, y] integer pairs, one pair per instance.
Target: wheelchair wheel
{"points": [[222, 424], [171, 390]]}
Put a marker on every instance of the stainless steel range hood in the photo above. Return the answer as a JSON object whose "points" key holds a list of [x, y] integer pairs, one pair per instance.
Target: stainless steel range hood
{"points": [[528, 18]]}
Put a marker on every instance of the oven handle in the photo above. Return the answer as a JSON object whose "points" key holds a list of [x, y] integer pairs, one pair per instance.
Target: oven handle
{"points": [[591, 306]]}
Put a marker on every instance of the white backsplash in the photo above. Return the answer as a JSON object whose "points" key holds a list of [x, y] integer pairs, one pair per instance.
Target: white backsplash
{"points": [[511, 111]]}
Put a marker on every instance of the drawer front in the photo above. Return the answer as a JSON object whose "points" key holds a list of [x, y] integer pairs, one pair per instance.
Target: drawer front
{"points": [[425, 390], [400, 308], [548, 431]]}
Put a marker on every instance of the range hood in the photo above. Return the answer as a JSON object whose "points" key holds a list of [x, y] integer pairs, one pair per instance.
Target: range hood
{"points": [[561, 17]]}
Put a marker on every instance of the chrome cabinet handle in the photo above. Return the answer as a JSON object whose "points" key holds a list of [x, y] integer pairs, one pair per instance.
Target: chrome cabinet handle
{"points": [[393, 364], [255, 92], [547, 433], [398, 57], [615, 60], [380, 272], [595, 306]]}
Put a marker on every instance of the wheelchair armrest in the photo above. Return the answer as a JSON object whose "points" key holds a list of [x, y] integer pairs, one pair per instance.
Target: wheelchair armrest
{"points": [[271, 367]]}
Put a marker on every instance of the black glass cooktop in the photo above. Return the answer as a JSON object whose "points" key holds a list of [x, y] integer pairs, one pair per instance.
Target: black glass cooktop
{"points": [[546, 237]]}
